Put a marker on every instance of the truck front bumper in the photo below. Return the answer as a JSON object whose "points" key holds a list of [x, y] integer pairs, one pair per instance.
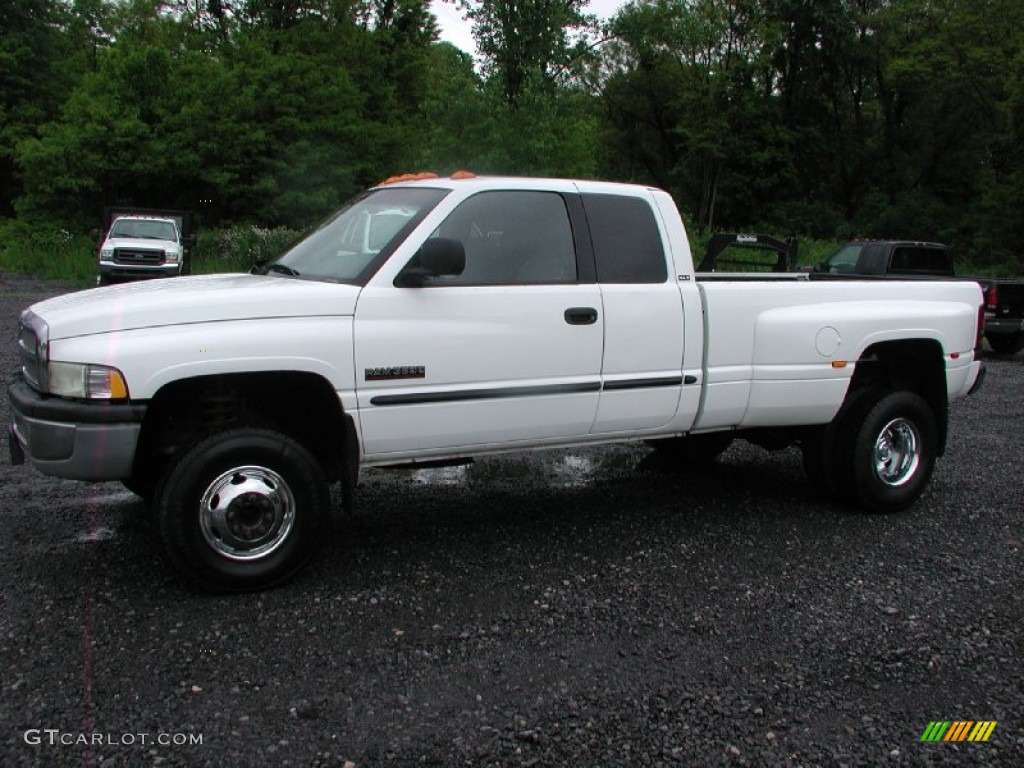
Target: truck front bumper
{"points": [[110, 269], [72, 439]]}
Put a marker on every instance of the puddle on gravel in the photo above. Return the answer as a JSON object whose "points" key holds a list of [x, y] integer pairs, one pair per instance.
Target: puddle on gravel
{"points": [[111, 497], [552, 469], [101, 533], [441, 475], [573, 471]]}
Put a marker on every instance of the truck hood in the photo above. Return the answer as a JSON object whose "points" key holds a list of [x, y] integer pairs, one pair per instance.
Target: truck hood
{"points": [[199, 299], [141, 243]]}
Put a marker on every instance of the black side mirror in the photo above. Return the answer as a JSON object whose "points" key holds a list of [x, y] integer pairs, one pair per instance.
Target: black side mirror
{"points": [[190, 240], [95, 234], [437, 257]]}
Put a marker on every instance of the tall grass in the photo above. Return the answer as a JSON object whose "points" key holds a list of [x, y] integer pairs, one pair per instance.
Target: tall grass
{"points": [[54, 254]]}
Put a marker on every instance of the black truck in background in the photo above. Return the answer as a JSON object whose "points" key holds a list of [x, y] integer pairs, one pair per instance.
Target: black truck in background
{"points": [[1004, 299]]}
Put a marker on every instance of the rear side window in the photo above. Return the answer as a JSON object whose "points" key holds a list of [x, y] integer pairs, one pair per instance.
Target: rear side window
{"points": [[627, 244], [910, 259]]}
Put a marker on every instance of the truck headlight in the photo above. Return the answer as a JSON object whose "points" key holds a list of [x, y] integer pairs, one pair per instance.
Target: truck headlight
{"points": [[95, 382], [106, 254], [171, 257], [34, 348]]}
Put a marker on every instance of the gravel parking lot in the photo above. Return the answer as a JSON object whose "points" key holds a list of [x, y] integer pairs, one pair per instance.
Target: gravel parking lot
{"points": [[598, 607]]}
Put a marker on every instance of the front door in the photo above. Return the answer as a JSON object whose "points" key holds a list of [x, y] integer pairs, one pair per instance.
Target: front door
{"points": [[509, 350]]}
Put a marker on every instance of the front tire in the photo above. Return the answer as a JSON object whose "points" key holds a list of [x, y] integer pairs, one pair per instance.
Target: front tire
{"points": [[241, 510], [892, 452]]}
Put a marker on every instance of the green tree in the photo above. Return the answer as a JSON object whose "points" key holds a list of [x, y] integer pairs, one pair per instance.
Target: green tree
{"points": [[527, 40], [37, 71]]}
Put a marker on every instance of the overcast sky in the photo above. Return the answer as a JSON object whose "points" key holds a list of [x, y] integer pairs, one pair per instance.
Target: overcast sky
{"points": [[456, 30]]}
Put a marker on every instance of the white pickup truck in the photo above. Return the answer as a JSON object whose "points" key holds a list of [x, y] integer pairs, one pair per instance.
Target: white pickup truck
{"points": [[438, 319], [144, 244]]}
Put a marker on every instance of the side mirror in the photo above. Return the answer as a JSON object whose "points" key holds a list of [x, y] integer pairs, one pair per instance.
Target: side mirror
{"points": [[437, 257], [95, 234], [190, 240]]}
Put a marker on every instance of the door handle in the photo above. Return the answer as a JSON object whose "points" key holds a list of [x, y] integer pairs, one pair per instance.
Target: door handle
{"points": [[581, 316]]}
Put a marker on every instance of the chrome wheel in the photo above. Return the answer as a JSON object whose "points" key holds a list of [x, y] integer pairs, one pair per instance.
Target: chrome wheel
{"points": [[897, 452], [247, 513]]}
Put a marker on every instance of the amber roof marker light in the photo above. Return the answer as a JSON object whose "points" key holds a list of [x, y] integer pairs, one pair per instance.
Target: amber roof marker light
{"points": [[424, 176]]}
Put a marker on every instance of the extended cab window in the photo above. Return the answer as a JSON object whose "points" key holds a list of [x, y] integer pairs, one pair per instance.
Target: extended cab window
{"points": [[512, 237], [627, 243]]}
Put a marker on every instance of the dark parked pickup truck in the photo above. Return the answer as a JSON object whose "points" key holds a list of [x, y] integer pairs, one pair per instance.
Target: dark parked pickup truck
{"points": [[1004, 299]]}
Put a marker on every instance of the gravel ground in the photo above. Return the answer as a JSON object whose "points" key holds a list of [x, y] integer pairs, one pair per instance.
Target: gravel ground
{"points": [[595, 607]]}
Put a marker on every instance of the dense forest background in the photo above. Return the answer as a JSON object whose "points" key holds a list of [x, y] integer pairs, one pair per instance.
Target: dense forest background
{"points": [[817, 118]]}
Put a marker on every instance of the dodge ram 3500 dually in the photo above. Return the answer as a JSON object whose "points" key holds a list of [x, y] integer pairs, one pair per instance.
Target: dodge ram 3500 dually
{"points": [[434, 320]]}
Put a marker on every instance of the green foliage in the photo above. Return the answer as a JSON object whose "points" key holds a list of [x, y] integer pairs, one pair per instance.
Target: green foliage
{"points": [[34, 77], [236, 249], [524, 41], [543, 135], [824, 120], [55, 254]]}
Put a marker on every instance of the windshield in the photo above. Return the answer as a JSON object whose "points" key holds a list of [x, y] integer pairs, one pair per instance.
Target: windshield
{"points": [[349, 245], [144, 229]]}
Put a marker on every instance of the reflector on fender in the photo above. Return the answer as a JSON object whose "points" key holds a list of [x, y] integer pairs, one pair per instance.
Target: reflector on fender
{"points": [[839, 363]]}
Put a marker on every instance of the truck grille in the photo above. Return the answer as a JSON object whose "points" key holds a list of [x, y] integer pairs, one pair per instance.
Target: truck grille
{"points": [[131, 256], [30, 353]]}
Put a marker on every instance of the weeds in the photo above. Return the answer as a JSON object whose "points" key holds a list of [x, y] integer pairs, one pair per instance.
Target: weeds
{"points": [[238, 248], [54, 254]]}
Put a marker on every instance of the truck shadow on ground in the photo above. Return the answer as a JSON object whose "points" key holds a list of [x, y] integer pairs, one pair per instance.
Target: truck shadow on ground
{"points": [[523, 510]]}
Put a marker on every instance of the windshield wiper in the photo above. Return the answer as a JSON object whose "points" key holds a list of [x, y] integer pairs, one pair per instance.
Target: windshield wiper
{"points": [[281, 268]]}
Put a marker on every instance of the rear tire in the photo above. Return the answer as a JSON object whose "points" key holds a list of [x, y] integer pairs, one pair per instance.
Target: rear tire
{"points": [[698, 449], [1006, 344], [892, 452], [242, 509], [824, 449]]}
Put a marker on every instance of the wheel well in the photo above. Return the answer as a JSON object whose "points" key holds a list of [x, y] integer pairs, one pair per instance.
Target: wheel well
{"points": [[303, 405], [915, 365]]}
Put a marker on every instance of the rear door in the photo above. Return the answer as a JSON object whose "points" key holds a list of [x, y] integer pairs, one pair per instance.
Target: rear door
{"points": [[643, 327], [510, 350]]}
